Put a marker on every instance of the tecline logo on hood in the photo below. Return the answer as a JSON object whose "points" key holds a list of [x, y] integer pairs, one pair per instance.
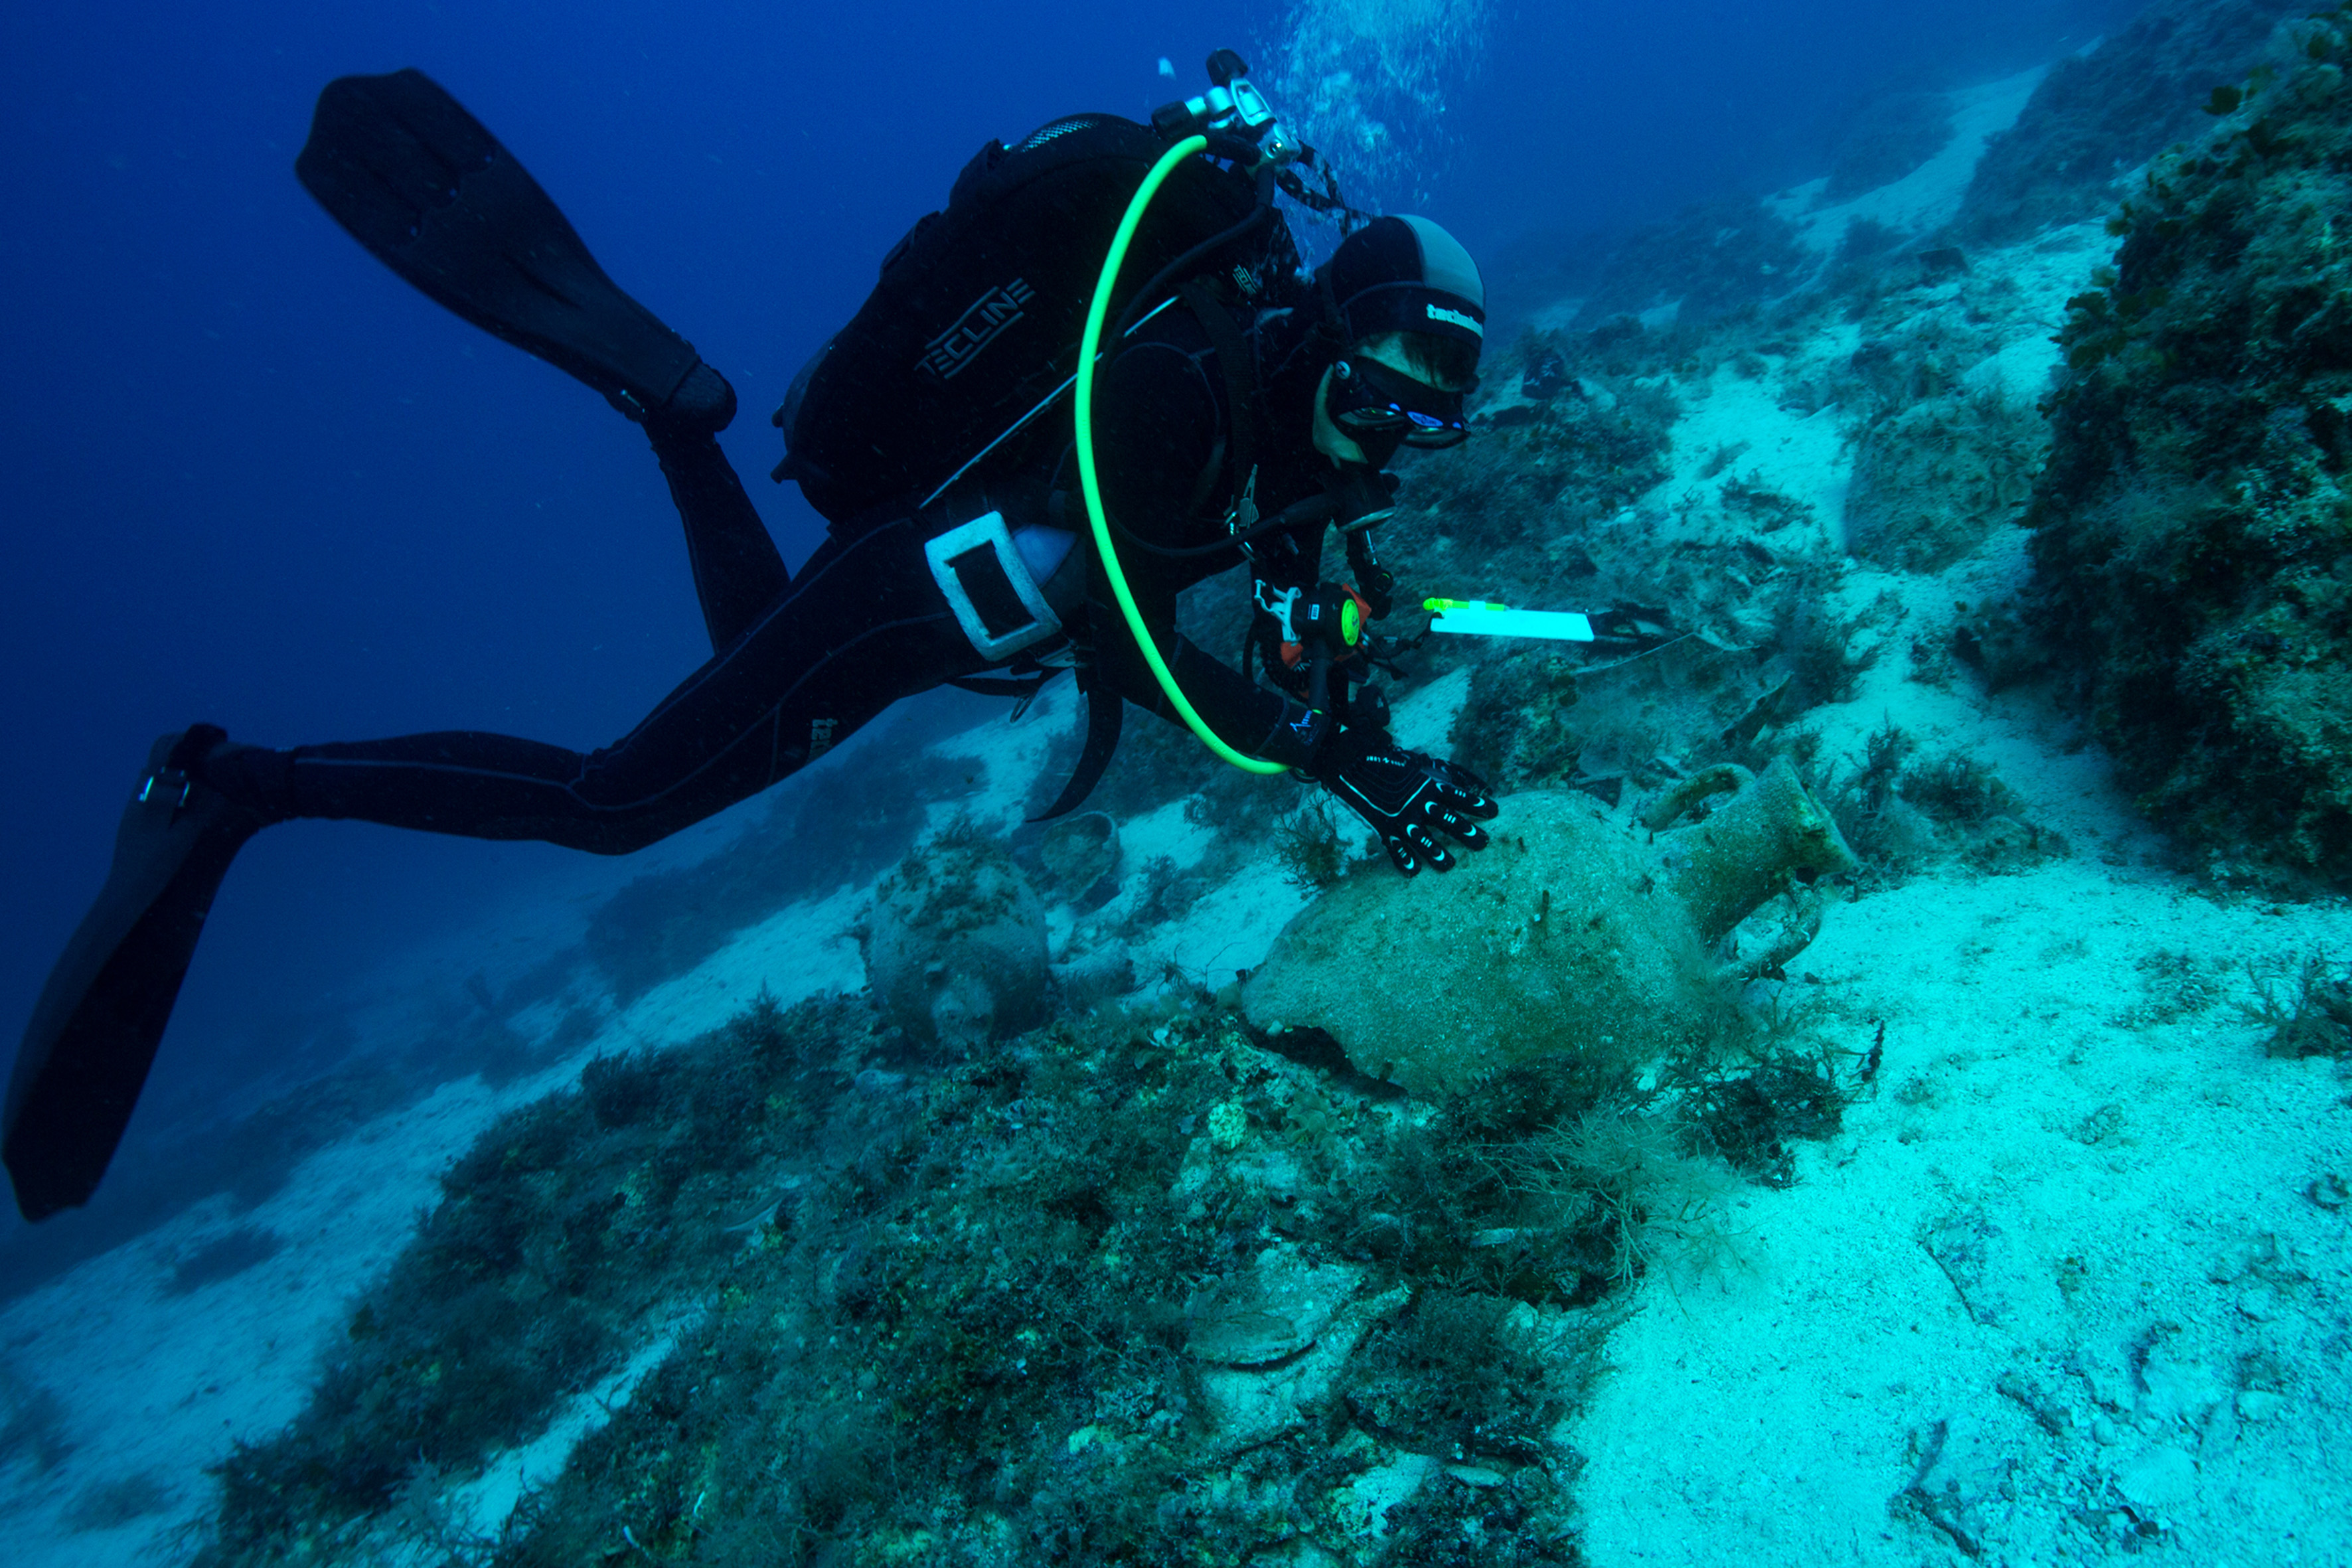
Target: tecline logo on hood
{"points": [[1458, 318]]}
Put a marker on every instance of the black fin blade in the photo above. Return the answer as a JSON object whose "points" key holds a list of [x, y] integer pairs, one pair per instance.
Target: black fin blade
{"points": [[431, 194], [93, 1034]]}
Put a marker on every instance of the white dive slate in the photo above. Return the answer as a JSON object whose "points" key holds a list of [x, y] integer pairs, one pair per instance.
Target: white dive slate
{"points": [[1477, 618]]}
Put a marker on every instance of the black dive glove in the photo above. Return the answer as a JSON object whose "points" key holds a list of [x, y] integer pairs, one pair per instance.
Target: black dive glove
{"points": [[1403, 795]]}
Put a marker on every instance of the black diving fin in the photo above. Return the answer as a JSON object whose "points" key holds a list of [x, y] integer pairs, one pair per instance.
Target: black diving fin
{"points": [[94, 1031], [436, 198]]}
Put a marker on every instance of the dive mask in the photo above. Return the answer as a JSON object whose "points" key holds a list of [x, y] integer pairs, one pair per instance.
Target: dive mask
{"points": [[1368, 398]]}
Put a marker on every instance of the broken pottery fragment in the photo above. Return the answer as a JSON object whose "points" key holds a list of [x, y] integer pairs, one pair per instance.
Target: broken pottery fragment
{"points": [[1274, 1340], [1078, 852], [1573, 933]]}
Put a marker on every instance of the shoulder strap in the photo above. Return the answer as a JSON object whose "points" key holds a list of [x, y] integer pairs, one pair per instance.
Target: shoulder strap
{"points": [[1105, 707], [1234, 359]]}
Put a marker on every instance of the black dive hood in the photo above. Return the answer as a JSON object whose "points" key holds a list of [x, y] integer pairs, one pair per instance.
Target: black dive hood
{"points": [[1405, 275]]}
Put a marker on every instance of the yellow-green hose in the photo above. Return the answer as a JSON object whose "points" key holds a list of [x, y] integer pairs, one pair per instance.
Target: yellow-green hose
{"points": [[1093, 490]]}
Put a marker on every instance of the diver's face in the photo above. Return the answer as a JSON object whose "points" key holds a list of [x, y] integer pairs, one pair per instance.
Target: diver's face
{"points": [[1372, 401], [1342, 447]]}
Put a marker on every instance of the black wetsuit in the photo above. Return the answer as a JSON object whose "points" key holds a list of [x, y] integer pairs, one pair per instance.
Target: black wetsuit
{"points": [[801, 662]]}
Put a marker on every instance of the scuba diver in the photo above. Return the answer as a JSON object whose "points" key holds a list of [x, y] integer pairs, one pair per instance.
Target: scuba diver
{"points": [[1099, 375]]}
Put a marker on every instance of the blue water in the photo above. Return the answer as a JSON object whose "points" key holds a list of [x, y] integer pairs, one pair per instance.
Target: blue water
{"points": [[251, 476]]}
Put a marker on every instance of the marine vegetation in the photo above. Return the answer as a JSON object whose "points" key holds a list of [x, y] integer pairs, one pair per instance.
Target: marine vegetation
{"points": [[2307, 1008], [1309, 848], [2194, 525], [1901, 814], [1120, 1290], [560, 1238], [2111, 110]]}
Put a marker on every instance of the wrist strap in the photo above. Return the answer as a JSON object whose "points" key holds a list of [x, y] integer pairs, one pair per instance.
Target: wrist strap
{"points": [[1298, 736]]}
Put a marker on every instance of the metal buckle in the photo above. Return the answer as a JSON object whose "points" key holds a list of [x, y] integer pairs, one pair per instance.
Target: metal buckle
{"points": [[1243, 517], [1278, 602], [168, 778]]}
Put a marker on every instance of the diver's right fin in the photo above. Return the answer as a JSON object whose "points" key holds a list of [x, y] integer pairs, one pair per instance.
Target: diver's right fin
{"points": [[435, 196], [95, 1029]]}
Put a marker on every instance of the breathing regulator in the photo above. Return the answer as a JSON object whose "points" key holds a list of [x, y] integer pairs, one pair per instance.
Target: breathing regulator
{"points": [[1233, 106]]}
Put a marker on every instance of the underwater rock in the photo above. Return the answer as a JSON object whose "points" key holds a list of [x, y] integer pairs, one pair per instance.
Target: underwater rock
{"points": [[2192, 558], [1933, 481], [1088, 981], [1268, 1314], [1546, 378], [1578, 459], [1711, 260], [2110, 108], [955, 949], [1571, 933], [1886, 138]]}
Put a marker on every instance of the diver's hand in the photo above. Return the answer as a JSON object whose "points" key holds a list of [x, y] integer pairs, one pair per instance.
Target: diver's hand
{"points": [[1403, 795]]}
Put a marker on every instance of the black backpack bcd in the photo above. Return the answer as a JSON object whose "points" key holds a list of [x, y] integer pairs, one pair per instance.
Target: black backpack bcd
{"points": [[978, 314]]}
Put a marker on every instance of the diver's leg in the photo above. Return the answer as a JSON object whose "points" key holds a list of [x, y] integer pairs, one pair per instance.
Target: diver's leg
{"points": [[864, 625], [426, 188], [738, 573]]}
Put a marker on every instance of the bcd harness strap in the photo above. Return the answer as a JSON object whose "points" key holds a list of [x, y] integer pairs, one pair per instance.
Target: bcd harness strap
{"points": [[1106, 712], [1239, 367], [1105, 709], [997, 598]]}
